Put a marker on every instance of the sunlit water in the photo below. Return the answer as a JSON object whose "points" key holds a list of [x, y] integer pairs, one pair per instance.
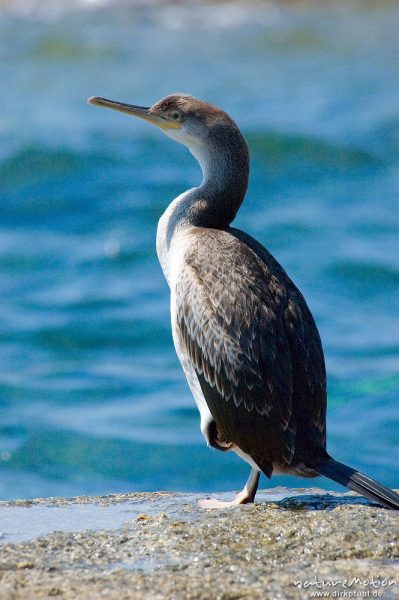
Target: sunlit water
{"points": [[93, 399]]}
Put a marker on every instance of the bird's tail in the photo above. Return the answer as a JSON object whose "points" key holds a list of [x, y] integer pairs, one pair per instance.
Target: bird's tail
{"points": [[362, 484]]}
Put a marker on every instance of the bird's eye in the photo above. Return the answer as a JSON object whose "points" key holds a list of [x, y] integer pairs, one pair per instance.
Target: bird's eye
{"points": [[175, 115]]}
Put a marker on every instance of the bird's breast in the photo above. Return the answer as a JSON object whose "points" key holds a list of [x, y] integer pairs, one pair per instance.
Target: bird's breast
{"points": [[171, 249], [173, 234], [163, 246]]}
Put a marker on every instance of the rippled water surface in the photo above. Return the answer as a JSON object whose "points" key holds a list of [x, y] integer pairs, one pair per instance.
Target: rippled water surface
{"points": [[92, 398]]}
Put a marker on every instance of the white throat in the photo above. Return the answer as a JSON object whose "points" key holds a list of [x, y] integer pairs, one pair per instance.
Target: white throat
{"points": [[213, 203], [196, 147], [173, 222]]}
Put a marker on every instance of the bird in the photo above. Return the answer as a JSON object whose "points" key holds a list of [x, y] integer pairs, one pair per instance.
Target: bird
{"points": [[246, 339]]}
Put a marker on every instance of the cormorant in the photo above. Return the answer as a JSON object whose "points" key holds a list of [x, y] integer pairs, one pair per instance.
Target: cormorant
{"points": [[242, 330]]}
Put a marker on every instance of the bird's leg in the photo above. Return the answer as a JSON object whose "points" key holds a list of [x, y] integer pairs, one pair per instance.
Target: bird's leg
{"points": [[214, 437], [246, 496]]}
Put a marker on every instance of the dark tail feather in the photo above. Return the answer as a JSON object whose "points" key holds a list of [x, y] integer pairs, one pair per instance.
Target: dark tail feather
{"points": [[362, 484]]}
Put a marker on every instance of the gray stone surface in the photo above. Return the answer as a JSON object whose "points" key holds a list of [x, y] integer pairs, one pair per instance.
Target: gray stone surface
{"points": [[163, 546]]}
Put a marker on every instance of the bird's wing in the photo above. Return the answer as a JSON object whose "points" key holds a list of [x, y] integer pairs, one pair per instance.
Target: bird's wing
{"points": [[309, 382], [308, 367], [230, 319]]}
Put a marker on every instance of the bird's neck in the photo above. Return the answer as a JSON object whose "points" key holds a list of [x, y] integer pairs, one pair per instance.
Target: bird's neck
{"points": [[213, 204], [225, 169], [224, 161]]}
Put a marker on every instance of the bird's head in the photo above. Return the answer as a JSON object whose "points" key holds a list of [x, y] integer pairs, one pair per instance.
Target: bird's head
{"points": [[211, 136], [187, 120]]}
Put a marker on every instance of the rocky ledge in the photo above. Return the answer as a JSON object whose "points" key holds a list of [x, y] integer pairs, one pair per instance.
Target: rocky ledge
{"points": [[291, 544]]}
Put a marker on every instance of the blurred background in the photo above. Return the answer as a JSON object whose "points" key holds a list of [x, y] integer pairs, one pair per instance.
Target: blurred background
{"points": [[92, 397]]}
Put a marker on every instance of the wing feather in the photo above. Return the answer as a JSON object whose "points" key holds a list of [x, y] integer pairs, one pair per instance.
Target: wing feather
{"points": [[242, 327]]}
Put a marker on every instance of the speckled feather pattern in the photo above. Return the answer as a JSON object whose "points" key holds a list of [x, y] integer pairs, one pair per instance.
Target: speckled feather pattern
{"points": [[245, 337], [244, 325]]}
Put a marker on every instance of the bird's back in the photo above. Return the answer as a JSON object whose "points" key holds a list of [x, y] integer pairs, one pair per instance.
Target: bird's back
{"points": [[254, 346]]}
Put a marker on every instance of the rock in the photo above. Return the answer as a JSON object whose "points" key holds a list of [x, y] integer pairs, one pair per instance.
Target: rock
{"points": [[290, 544], [25, 564]]}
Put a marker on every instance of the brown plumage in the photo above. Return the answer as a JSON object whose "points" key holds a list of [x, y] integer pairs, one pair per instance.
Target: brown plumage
{"points": [[244, 334], [241, 320]]}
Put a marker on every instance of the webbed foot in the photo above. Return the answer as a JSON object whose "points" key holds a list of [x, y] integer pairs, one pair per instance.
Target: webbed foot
{"points": [[246, 496]]}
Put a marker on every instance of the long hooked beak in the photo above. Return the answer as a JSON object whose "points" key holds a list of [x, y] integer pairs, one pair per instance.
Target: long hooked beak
{"points": [[137, 111]]}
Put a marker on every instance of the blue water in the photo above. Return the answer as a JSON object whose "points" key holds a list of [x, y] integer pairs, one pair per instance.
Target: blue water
{"points": [[92, 398]]}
